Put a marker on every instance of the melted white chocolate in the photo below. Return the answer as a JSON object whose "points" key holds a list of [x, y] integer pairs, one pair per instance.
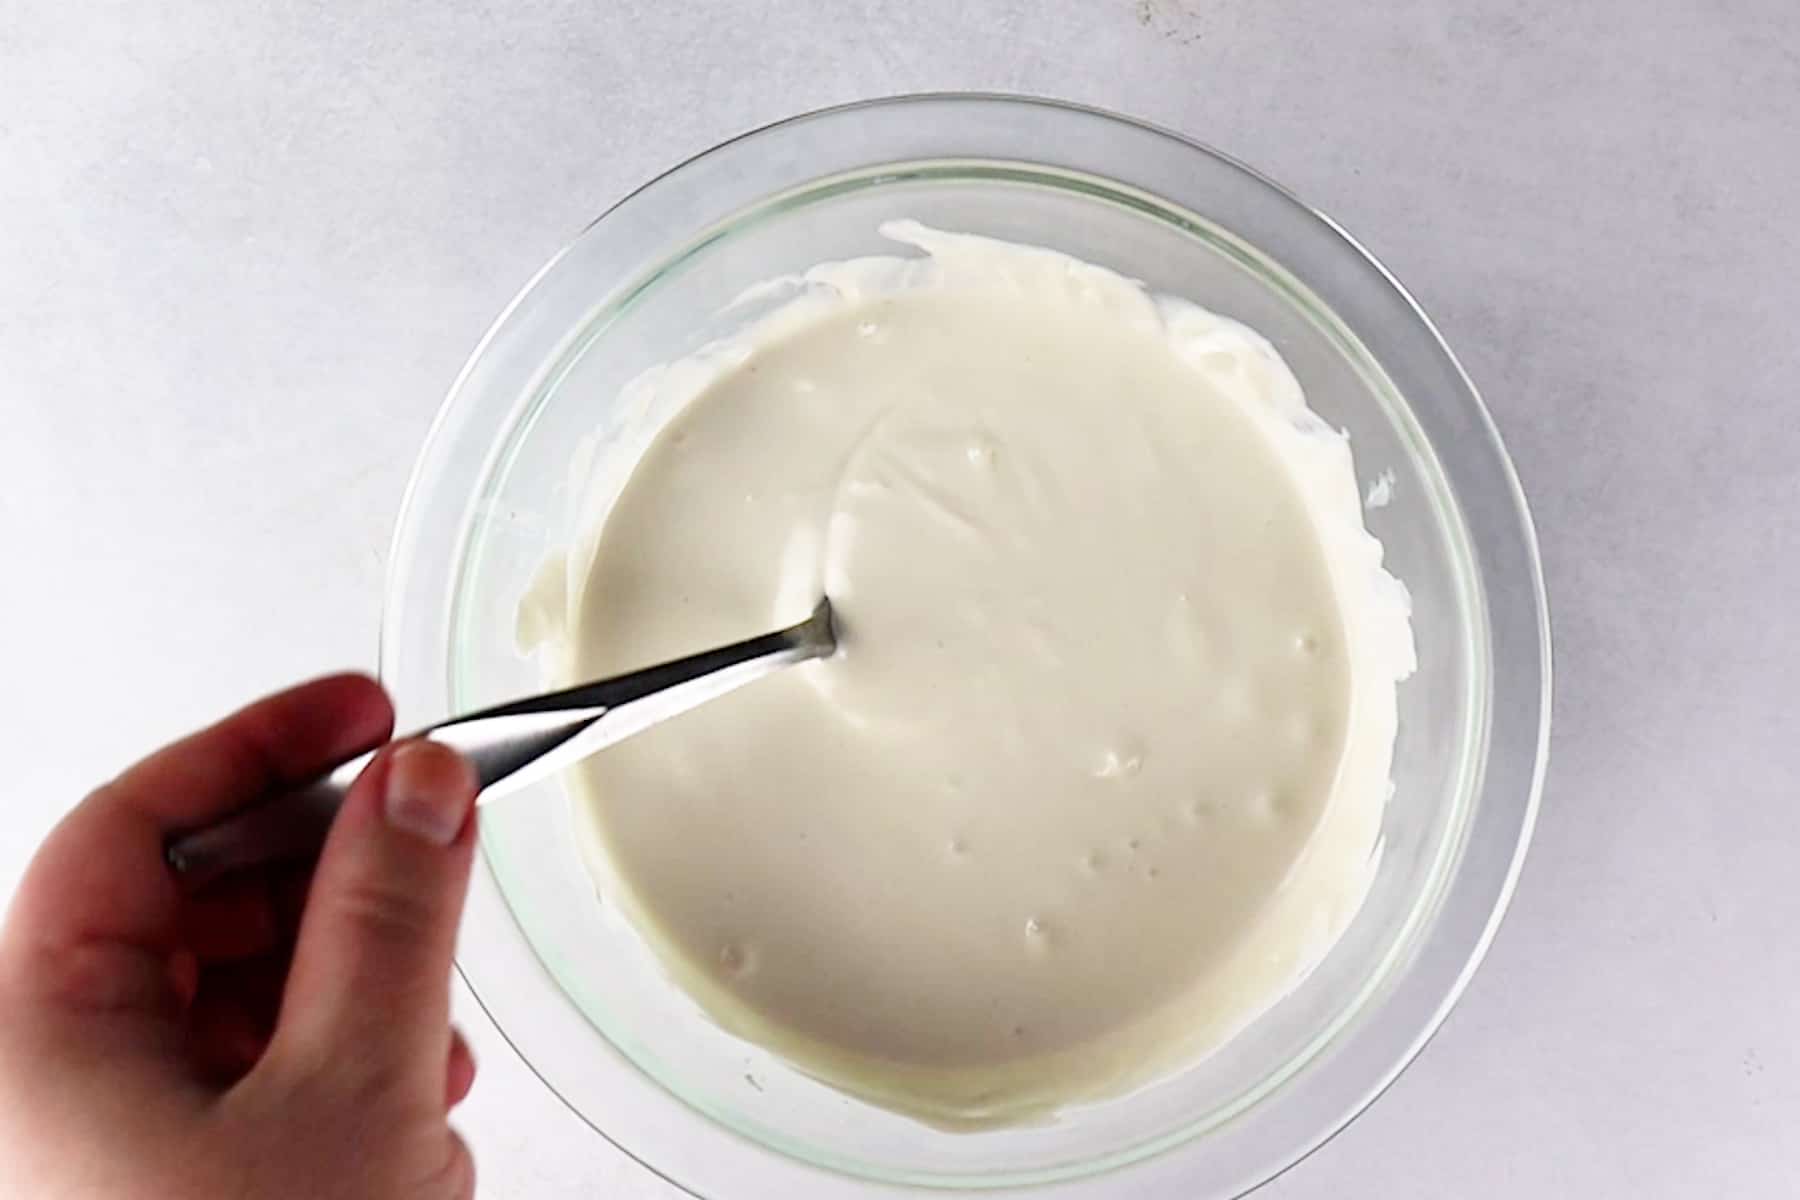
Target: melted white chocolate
{"points": [[1098, 772]]}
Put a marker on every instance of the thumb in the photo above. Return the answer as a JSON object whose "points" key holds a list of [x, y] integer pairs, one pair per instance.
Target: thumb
{"points": [[369, 988]]}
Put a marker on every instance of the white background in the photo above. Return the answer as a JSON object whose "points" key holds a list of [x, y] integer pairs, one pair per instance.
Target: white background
{"points": [[246, 244]]}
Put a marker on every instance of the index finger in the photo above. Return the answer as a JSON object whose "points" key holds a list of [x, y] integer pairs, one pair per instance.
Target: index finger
{"points": [[279, 741], [100, 880]]}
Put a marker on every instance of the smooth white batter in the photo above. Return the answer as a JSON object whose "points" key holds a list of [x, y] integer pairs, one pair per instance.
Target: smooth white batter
{"points": [[1098, 772]]}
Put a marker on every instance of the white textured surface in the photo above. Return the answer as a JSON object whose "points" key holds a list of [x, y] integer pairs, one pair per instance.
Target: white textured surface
{"points": [[245, 245]]}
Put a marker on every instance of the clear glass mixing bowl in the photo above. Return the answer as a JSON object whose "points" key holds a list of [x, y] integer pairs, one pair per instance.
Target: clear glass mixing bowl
{"points": [[557, 968]]}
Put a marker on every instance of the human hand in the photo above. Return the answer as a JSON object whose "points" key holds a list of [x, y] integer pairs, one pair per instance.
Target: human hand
{"points": [[271, 1035]]}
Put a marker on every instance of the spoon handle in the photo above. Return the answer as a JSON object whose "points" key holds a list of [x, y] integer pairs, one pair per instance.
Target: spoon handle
{"points": [[510, 745]]}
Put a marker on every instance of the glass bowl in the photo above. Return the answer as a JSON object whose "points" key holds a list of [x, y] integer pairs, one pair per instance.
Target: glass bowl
{"points": [[556, 967]]}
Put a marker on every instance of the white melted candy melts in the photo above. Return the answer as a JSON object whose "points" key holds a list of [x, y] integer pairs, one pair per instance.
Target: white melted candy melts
{"points": [[1098, 772]]}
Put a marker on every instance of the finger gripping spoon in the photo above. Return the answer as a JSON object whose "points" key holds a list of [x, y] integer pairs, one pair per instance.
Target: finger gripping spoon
{"points": [[510, 745]]}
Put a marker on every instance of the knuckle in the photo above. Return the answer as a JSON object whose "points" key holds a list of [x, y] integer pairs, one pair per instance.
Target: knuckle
{"points": [[455, 1180], [375, 1083], [383, 914], [99, 978]]}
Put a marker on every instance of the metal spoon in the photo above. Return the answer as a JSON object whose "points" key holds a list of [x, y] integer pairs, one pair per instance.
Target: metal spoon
{"points": [[510, 745]]}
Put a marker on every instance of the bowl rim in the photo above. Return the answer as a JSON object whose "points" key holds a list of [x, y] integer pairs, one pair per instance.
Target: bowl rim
{"points": [[1473, 948]]}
